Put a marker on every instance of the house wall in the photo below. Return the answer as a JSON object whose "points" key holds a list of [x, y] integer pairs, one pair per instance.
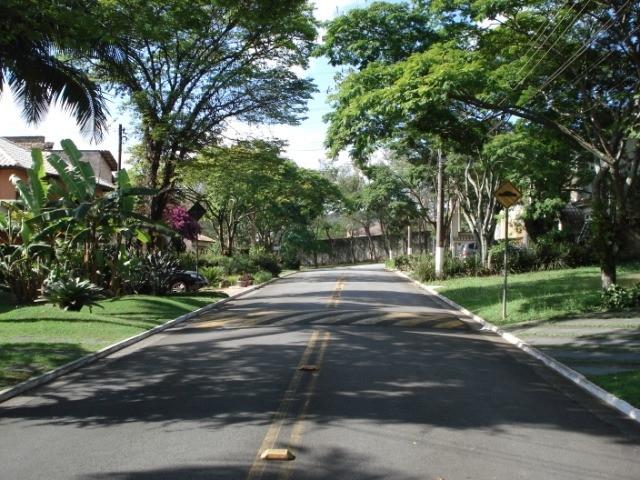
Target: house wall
{"points": [[203, 246], [7, 190], [517, 231]]}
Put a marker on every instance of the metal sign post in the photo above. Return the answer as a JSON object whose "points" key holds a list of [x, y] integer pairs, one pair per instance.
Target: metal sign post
{"points": [[506, 263], [507, 194], [197, 262]]}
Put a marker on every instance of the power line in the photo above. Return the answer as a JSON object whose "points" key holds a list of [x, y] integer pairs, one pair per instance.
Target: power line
{"points": [[590, 68], [544, 55], [537, 36], [569, 25], [607, 25], [582, 49]]}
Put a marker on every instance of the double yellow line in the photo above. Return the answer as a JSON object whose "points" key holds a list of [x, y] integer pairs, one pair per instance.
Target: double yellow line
{"points": [[280, 417], [336, 296]]}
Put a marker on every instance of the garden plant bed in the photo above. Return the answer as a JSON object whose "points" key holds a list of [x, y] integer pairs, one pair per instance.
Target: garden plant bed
{"points": [[35, 339]]}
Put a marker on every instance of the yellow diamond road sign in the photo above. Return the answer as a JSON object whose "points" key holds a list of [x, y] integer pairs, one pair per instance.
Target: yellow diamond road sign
{"points": [[507, 194]]}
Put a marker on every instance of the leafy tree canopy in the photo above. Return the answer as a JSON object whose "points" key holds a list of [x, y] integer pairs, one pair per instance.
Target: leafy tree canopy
{"points": [[192, 67], [571, 68], [383, 32], [39, 39]]}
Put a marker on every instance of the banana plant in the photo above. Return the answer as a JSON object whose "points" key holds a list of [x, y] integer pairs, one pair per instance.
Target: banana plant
{"points": [[33, 196], [66, 215]]}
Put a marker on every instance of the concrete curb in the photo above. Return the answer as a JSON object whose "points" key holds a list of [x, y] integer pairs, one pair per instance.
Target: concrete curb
{"points": [[51, 375], [567, 372]]}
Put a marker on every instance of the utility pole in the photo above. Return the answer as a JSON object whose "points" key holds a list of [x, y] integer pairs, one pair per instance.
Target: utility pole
{"points": [[439, 254], [120, 133], [409, 251]]}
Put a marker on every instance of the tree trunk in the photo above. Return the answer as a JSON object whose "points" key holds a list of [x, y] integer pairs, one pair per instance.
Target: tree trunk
{"points": [[372, 250], [603, 228], [485, 241], [440, 228], [221, 234], [386, 242], [154, 161]]}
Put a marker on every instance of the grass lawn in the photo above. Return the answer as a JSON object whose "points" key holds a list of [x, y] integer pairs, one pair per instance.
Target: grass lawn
{"points": [[625, 385], [34, 339], [534, 296]]}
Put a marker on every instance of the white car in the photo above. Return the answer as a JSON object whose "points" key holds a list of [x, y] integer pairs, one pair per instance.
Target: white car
{"points": [[469, 249]]}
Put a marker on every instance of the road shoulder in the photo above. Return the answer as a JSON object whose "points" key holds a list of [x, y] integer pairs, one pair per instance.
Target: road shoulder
{"points": [[565, 371]]}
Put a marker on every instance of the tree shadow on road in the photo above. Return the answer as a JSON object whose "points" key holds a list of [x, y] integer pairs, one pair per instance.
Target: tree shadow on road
{"points": [[236, 377], [336, 463]]}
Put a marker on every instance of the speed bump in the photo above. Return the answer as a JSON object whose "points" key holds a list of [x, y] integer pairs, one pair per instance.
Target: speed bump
{"points": [[278, 454], [308, 368]]}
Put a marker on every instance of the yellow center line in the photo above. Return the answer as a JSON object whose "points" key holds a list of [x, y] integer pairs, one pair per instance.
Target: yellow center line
{"points": [[295, 440], [337, 292], [258, 466]]}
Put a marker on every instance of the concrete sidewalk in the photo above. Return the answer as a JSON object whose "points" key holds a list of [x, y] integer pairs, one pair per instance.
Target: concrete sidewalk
{"points": [[596, 344]]}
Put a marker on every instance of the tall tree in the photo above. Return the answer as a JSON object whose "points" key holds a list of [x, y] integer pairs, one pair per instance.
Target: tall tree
{"points": [[194, 66], [230, 182], [250, 187], [573, 68], [545, 167], [384, 200]]}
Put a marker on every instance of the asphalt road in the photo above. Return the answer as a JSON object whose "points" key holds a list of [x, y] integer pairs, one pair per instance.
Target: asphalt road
{"points": [[394, 385]]}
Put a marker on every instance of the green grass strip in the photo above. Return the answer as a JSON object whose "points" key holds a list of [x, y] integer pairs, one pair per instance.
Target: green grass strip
{"points": [[35, 339], [535, 296], [625, 385]]}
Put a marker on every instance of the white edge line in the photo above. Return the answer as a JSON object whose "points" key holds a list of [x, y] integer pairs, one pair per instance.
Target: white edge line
{"points": [[51, 375], [567, 372]]}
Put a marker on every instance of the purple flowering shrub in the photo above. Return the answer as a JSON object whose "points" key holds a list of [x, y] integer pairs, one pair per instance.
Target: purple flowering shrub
{"points": [[179, 220]]}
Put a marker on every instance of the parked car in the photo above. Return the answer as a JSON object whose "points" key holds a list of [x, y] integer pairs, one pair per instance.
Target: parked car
{"points": [[469, 249], [187, 281]]}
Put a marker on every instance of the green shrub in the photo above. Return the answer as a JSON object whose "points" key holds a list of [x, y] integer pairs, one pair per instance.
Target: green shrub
{"points": [[463, 267], [291, 262], [262, 276], [22, 276], [221, 261], [402, 262], [423, 267], [581, 255], [158, 269], [555, 250], [72, 293], [187, 261], [520, 259], [390, 263], [266, 261], [241, 264], [616, 297], [214, 275], [132, 275]]}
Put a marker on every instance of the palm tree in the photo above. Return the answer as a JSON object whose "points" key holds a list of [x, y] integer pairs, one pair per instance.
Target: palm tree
{"points": [[37, 44]]}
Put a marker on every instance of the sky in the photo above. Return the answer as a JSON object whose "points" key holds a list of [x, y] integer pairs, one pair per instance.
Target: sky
{"points": [[305, 140]]}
